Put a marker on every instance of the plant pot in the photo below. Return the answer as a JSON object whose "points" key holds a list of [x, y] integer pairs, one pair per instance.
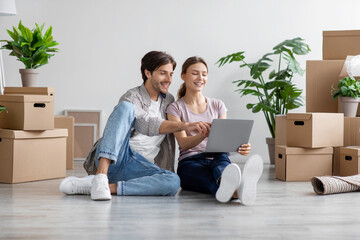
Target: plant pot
{"points": [[29, 77], [348, 106], [271, 147]]}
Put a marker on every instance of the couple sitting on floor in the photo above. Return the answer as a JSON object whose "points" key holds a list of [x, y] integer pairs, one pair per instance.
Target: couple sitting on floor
{"points": [[136, 154]]}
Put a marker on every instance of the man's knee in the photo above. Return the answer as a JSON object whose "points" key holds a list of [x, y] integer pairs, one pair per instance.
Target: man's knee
{"points": [[173, 183]]}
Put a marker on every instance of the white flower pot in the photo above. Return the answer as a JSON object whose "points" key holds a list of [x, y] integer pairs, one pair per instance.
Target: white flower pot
{"points": [[29, 77], [349, 106]]}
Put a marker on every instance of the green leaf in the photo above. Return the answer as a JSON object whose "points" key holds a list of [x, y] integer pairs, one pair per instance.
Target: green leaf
{"points": [[234, 57], [13, 35]]}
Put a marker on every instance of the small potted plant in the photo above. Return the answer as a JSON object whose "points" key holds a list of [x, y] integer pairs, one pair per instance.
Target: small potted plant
{"points": [[348, 93], [32, 48], [2, 109]]}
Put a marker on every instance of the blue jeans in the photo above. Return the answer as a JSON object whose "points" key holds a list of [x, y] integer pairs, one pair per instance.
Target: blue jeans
{"points": [[133, 173], [198, 173]]}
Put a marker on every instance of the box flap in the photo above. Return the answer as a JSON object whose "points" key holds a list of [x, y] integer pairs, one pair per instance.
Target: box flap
{"points": [[19, 134], [350, 149], [341, 33], [307, 151], [25, 98], [30, 90], [298, 116]]}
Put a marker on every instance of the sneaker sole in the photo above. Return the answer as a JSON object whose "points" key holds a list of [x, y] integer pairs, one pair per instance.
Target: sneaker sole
{"points": [[252, 172], [230, 181]]}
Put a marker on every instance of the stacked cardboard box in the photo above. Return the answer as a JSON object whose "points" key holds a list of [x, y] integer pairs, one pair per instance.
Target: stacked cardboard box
{"points": [[305, 144], [31, 148], [320, 76]]}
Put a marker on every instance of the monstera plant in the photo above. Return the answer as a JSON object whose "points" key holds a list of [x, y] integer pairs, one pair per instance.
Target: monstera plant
{"points": [[271, 79]]}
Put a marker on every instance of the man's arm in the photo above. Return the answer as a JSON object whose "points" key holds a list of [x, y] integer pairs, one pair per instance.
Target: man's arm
{"points": [[187, 142], [177, 126]]}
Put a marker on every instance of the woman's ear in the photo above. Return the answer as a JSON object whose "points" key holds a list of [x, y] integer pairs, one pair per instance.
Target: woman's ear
{"points": [[183, 76]]}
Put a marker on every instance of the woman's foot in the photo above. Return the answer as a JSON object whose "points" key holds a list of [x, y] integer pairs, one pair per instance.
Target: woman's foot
{"points": [[251, 174], [230, 181]]}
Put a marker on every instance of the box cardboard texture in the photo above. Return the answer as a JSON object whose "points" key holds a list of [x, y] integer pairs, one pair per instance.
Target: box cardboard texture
{"points": [[301, 164], [351, 138], [315, 130], [349, 161], [320, 76], [280, 130], [30, 90], [32, 155], [27, 112], [339, 44], [68, 123]]}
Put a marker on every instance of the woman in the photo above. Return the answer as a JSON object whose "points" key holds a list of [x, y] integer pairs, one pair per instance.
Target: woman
{"points": [[208, 172]]}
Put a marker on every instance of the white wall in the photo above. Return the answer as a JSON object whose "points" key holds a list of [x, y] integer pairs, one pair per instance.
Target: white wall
{"points": [[102, 42]]}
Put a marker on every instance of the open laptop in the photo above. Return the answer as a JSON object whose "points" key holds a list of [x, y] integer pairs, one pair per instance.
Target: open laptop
{"points": [[227, 135]]}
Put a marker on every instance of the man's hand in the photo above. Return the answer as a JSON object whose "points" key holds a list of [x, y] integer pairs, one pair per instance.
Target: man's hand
{"points": [[244, 149], [202, 128]]}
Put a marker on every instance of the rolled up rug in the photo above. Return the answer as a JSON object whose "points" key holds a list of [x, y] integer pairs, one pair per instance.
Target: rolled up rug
{"points": [[335, 184]]}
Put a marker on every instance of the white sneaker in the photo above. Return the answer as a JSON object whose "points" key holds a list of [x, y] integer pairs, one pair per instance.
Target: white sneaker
{"points": [[251, 174], [100, 188], [230, 181], [75, 185]]}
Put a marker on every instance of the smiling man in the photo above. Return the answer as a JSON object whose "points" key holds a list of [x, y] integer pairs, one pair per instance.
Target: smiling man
{"points": [[136, 154]]}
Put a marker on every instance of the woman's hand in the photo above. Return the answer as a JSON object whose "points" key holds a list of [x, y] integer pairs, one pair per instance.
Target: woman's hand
{"points": [[244, 149]]}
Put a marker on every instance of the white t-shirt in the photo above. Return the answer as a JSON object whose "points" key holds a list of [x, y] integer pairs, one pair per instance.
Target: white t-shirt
{"points": [[148, 146]]}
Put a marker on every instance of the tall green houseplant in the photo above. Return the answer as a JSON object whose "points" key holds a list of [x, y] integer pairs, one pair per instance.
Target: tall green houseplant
{"points": [[276, 94]]}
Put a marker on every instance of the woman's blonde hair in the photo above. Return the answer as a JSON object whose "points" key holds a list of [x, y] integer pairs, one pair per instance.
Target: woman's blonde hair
{"points": [[190, 61]]}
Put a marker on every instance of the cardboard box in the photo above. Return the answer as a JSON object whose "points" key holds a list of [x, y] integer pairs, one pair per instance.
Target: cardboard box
{"points": [[27, 112], [30, 90], [339, 44], [315, 130], [336, 161], [280, 130], [32, 155], [68, 123], [351, 131], [320, 76], [301, 164], [349, 160]]}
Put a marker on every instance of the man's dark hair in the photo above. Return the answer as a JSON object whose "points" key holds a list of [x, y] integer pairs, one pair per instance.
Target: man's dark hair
{"points": [[153, 60]]}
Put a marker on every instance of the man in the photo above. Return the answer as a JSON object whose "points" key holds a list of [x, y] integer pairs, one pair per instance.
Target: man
{"points": [[136, 135]]}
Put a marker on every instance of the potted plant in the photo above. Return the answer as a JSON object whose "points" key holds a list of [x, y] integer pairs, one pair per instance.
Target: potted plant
{"points": [[2, 108], [276, 94], [348, 93], [31, 47]]}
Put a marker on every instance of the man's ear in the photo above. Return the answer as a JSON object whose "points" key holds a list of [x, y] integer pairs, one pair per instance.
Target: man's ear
{"points": [[147, 74]]}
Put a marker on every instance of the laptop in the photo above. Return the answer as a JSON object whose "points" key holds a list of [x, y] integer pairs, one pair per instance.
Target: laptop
{"points": [[227, 135]]}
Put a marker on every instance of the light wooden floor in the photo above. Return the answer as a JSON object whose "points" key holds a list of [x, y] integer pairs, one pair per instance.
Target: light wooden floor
{"points": [[283, 210]]}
